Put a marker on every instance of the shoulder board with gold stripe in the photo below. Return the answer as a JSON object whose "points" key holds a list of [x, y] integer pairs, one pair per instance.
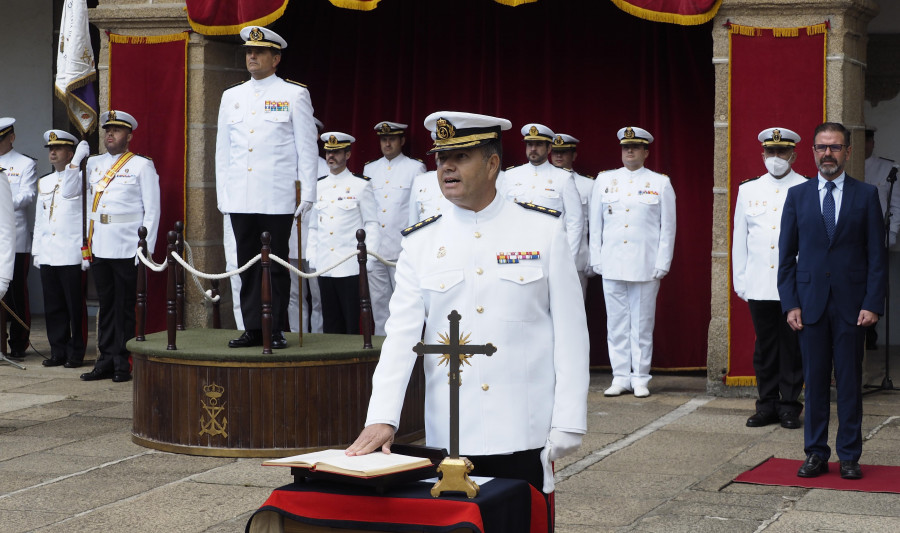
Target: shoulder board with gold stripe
{"points": [[419, 225], [607, 170], [235, 85], [148, 158], [749, 180], [296, 83], [371, 161], [360, 176], [510, 167], [419, 160], [29, 157], [2, 169], [589, 176], [540, 208], [323, 177]]}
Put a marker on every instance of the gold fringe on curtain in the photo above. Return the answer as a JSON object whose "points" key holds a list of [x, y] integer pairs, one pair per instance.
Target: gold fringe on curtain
{"points": [[514, 3], [359, 5], [740, 381], [153, 39], [236, 29], [672, 18], [751, 31]]}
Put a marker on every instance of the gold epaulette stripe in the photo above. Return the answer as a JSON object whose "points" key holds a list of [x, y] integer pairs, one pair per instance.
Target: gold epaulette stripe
{"points": [[750, 179], [297, 83], [540, 208], [419, 225], [360, 176], [236, 84]]}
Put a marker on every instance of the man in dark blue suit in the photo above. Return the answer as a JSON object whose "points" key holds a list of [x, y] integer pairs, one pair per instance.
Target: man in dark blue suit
{"points": [[831, 281]]}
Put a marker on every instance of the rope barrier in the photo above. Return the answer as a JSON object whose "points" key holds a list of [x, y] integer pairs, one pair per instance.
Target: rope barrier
{"points": [[207, 293]]}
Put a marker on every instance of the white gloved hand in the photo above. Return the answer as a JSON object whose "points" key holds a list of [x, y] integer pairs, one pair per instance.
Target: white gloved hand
{"points": [[85, 265], [4, 284], [597, 270], [304, 206], [562, 443], [37, 263], [659, 273], [549, 482], [81, 151]]}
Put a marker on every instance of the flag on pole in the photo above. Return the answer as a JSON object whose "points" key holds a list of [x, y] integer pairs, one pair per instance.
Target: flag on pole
{"points": [[75, 69]]}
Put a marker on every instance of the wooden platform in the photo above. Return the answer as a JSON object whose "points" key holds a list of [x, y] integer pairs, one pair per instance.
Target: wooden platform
{"points": [[207, 399]]}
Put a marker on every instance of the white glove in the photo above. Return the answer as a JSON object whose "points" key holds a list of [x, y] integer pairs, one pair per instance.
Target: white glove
{"points": [[559, 444], [658, 273], [549, 482], [304, 206], [4, 284], [597, 270], [81, 151], [589, 271], [85, 265], [37, 263]]}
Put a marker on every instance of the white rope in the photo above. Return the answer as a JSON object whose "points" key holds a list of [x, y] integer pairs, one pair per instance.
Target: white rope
{"points": [[149, 262], [315, 274], [207, 293], [204, 275], [383, 260]]}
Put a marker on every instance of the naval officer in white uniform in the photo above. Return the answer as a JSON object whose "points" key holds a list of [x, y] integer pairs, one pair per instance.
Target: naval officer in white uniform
{"points": [[266, 141], [563, 155], [541, 183], [507, 269], [632, 240], [124, 188], [754, 259], [57, 253], [344, 204], [7, 234], [392, 176], [22, 180]]}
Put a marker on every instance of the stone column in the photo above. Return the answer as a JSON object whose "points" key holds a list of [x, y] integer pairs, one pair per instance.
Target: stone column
{"points": [[213, 65], [845, 71]]}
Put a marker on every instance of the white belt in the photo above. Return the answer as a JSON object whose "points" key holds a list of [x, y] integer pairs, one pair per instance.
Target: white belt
{"points": [[124, 218]]}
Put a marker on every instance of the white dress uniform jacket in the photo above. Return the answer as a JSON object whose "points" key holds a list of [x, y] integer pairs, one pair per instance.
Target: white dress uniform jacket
{"points": [[547, 186], [538, 378], [344, 204], [57, 221], [632, 228], [426, 198], [7, 230], [131, 200], [757, 224], [877, 170], [391, 185], [20, 171], [585, 186], [321, 171], [266, 141]]}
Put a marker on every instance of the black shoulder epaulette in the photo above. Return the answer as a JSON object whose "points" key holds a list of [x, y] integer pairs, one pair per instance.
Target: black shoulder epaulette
{"points": [[360, 176], [2, 169], [372, 161], [323, 177], [510, 167], [148, 158], [886, 159], [566, 169], [29, 157], [419, 160], [540, 208], [235, 85], [419, 225], [605, 171], [750, 179], [589, 176], [296, 83]]}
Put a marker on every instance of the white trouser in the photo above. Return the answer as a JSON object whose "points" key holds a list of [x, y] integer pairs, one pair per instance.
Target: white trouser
{"points": [[231, 264], [294, 317], [630, 316], [381, 287]]}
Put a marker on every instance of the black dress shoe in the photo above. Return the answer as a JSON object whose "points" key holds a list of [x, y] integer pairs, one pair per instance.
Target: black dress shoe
{"points": [[278, 340], [813, 467], [248, 339], [53, 362], [73, 364], [95, 375], [121, 377], [761, 419], [850, 470], [790, 421]]}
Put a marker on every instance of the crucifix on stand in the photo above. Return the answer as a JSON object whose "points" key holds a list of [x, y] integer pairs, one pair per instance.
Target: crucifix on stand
{"points": [[454, 469]]}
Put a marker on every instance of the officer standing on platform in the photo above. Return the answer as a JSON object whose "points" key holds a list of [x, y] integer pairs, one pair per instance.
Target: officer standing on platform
{"points": [[57, 253], [266, 141], [563, 155], [540, 183], [632, 241], [22, 180], [525, 406], [124, 187], [392, 178], [344, 204], [754, 256]]}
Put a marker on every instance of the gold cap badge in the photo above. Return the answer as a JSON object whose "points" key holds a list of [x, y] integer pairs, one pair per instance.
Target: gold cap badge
{"points": [[629, 133], [776, 135], [558, 141], [256, 34], [385, 128], [444, 129], [533, 131], [53, 136]]}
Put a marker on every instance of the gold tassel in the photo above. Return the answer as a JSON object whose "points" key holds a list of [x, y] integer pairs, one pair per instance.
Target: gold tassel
{"points": [[740, 381], [785, 32], [154, 39]]}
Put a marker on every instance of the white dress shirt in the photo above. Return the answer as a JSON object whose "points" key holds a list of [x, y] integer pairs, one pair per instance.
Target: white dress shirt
{"points": [[22, 181]]}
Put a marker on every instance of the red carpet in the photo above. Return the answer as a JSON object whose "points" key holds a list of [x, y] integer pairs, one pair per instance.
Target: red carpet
{"points": [[876, 478]]}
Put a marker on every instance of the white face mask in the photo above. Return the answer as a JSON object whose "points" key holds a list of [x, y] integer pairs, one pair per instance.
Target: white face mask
{"points": [[777, 166]]}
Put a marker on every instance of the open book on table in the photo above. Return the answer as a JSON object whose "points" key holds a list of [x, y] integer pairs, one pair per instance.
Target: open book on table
{"points": [[335, 461]]}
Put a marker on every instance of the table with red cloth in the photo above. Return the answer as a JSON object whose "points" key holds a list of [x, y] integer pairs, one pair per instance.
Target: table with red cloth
{"points": [[502, 505]]}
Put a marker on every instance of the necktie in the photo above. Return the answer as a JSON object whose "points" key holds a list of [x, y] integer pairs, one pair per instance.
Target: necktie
{"points": [[828, 210]]}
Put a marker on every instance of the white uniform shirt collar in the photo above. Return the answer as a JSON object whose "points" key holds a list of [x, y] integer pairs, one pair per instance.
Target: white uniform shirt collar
{"points": [[778, 181], [263, 83], [542, 166], [468, 216]]}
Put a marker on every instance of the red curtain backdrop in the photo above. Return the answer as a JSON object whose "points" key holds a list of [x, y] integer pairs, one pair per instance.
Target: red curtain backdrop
{"points": [[147, 78], [596, 71], [227, 17], [776, 81]]}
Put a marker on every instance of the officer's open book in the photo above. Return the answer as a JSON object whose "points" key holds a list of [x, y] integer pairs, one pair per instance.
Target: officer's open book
{"points": [[335, 461]]}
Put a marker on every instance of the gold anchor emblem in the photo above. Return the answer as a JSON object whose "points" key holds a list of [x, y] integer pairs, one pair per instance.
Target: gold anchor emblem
{"points": [[213, 427]]}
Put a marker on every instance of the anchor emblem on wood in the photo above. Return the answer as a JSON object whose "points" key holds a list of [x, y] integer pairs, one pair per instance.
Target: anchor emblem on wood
{"points": [[454, 469]]}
